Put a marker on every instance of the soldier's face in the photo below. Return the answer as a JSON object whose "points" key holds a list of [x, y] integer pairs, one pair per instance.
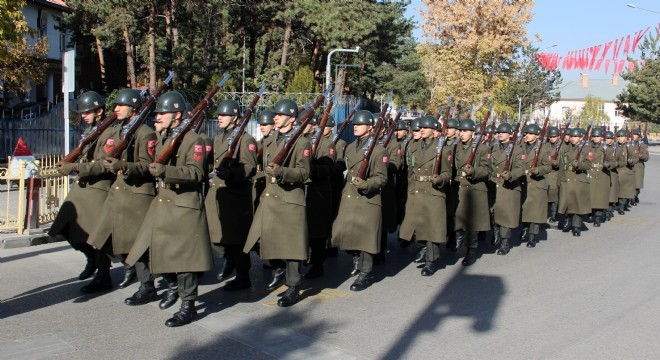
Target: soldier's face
{"points": [[417, 134], [400, 134], [265, 129], [436, 133], [89, 116], [635, 137], [530, 138], [225, 120], [503, 137], [451, 132], [466, 135], [426, 132], [554, 139], [567, 138], [309, 128], [361, 130], [622, 139], [596, 139], [609, 141], [575, 139], [327, 130], [163, 121], [280, 120], [123, 111]]}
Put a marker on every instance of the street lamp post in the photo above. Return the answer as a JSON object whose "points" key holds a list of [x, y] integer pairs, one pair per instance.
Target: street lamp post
{"points": [[636, 7], [327, 65]]}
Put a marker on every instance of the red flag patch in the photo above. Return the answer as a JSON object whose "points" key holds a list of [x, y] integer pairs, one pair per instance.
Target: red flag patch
{"points": [[252, 147], [151, 147], [399, 152], [209, 148], [109, 145], [385, 159], [199, 148], [306, 153], [332, 151], [523, 157], [488, 156], [591, 156], [448, 157]]}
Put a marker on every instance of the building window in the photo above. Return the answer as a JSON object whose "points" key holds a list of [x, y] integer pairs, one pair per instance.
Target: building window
{"points": [[618, 113], [62, 42], [601, 108]]}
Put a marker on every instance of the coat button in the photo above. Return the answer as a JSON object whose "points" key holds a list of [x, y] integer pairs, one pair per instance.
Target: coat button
{"points": [[348, 196], [160, 200], [267, 194], [117, 188]]}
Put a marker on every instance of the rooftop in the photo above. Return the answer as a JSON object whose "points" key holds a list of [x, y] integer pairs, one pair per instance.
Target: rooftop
{"points": [[601, 88]]}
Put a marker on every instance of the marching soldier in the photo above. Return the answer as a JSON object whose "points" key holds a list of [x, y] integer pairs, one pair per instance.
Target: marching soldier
{"points": [[337, 178], [178, 252], [451, 140], [507, 185], [535, 187], [401, 190], [425, 207], [552, 177], [280, 221], [599, 177], [610, 155], [626, 161], [388, 193], [319, 198], [77, 215], [642, 153], [472, 213], [229, 206], [133, 189], [577, 201], [267, 128], [357, 228]]}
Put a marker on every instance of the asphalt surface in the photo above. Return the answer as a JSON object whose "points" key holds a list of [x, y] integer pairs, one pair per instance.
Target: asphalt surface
{"points": [[592, 297]]}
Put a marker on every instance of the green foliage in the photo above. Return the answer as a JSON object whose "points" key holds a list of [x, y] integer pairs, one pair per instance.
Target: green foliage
{"points": [[591, 111], [303, 81], [641, 100]]}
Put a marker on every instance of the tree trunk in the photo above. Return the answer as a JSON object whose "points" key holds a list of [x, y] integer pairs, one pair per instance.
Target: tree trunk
{"points": [[99, 50], [269, 41], [285, 45], [151, 38], [130, 66], [315, 55]]}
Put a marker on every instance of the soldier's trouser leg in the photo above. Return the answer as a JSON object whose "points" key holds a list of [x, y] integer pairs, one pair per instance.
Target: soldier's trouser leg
{"points": [[576, 221], [102, 262], [317, 247], [142, 271], [623, 203], [172, 281], [86, 249], [293, 277], [241, 260], [472, 239], [505, 232], [365, 262], [598, 217], [533, 229], [432, 251], [552, 211], [188, 282]]}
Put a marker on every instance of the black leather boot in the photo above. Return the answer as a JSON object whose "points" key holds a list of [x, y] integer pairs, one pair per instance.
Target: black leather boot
{"points": [[145, 294], [356, 265], [470, 258], [429, 268], [239, 283], [523, 233], [101, 282], [460, 239], [129, 276], [278, 279], [421, 256], [566, 224], [169, 298], [90, 268], [497, 238], [597, 221], [576, 231], [504, 247], [184, 316], [290, 297], [531, 241], [362, 282], [227, 269]]}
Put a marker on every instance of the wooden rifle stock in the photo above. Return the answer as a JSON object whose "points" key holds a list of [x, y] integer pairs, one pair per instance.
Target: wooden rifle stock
{"points": [[392, 129], [362, 171], [96, 131], [197, 114], [235, 137], [304, 120], [318, 134], [441, 140], [561, 140], [540, 141], [477, 140], [585, 139]]}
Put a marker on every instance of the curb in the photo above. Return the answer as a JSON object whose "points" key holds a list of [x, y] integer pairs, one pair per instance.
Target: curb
{"points": [[18, 241]]}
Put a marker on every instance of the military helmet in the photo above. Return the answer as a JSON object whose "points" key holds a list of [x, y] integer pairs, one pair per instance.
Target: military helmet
{"points": [[170, 102], [582, 131], [621, 133], [401, 125], [635, 132], [313, 121], [609, 135], [130, 97], [228, 107], [428, 122], [466, 124], [363, 117], [553, 131], [597, 132], [90, 100], [505, 128], [330, 122], [452, 123], [265, 117], [532, 129], [414, 125], [286, 107], [575, 132], [189, 109]]}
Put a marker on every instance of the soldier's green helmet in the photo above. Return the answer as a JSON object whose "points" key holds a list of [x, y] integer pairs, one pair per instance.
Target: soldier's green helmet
{"points": [[466, 124], [401, 125], [532, 129], [130, 97], [90, 100], [228, 107], [313, 121], [363, 117], [621, 133], [609, 135], [635, 132], [414, 125], [553, 131], [286, 107], [575, 132], [452, 123], [330, 122], [428, 122], [597, 132], [171, 102], [266, 117], [505, 128]]}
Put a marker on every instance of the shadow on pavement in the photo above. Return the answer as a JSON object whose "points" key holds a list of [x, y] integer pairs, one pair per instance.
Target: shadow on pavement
{"points": [[64, 246]]}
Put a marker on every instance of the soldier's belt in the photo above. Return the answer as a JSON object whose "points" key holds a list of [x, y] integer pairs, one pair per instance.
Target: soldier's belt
{"points": [[598, 166], [422, 178], [164, 185]]}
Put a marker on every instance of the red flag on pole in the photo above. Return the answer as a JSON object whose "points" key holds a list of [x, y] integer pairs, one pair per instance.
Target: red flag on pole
{"points": [[638, 37], [626, 48], [607, 65], [21, 148]]}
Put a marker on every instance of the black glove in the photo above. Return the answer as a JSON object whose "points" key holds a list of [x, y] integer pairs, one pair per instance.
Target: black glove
{"points": [[113, 165], [157, 170], [67, 168], [360, 184], [506, 175], [223, 173], [274, 170]]}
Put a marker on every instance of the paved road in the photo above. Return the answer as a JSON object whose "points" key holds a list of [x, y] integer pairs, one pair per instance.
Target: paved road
{"points": [[593, 297]]}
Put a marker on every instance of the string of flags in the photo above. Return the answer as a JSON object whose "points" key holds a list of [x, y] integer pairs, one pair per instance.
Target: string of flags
{"points": [[599, 57]]}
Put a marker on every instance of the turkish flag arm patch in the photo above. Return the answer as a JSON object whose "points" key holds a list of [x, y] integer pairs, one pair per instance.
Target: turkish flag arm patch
{"points": [[385, 159], [151, 147], [198, 153]]}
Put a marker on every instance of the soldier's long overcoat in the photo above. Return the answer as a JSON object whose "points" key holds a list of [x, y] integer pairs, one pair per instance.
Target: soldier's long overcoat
{"points": [[388, 192], [506, 209], [472, 212], [642, 152], [319, 190], [599, 176], [610, 154], [626, 171], [577, 198], [535, 187], [552, 178]]}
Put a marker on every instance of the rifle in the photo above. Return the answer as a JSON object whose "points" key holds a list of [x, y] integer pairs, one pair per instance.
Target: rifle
{"points": [[392, 128], [561, 140], [477, 140], [305, 117], [362, 171], [336, 137], [235, 137], [540, 141], [441, 139], [198, 114], [646, 133], [522, 127], [92, 135], [585, 139], [318, 134]]}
